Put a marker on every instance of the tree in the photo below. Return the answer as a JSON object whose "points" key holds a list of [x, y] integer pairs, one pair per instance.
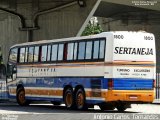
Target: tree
{"points": [[92, 28]]}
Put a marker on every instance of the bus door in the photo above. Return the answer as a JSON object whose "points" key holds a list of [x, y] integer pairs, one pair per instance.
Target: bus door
{"points": [[11, 72]]}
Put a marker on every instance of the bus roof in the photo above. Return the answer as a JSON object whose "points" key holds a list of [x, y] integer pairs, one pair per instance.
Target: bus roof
{"points": [[103, 34]]}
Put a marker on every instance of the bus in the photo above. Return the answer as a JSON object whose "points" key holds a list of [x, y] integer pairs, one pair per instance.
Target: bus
{"points": [[110, 69]]}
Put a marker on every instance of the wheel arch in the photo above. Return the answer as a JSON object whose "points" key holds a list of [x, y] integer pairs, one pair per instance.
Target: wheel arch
{"points": [[19, 86]]}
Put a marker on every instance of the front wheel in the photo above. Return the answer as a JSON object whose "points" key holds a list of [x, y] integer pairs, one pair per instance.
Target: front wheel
{"points": [[21, 97]]}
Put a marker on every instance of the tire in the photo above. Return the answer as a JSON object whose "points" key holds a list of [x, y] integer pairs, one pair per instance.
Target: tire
{"points": [[80, 99], [21, 97], [121, 108], [69, 98]]}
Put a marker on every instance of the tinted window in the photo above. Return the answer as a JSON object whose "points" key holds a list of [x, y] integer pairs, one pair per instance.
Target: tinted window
{"points": [[26, 55], [60, 51], [102, 48], [54, 52], [75, 51], [30, 54], [22, 55], [36, 53], [44, 53], [89, 50], [96, 50], [13, 55], [81, 50], [70, 51], [49, 53]]}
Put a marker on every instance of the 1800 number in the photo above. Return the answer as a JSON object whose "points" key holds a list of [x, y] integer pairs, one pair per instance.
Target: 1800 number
{"points": [[148, 38]]}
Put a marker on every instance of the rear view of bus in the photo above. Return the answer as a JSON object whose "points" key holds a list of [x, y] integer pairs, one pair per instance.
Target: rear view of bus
{"points": [[132, 72]]}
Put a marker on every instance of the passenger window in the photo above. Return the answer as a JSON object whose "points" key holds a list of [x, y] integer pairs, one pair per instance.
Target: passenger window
{"points": [[49, 53], [60, 51], [70, 51], [54, 52], [13, 55], [75, 51], [36, 53], [81, 51], [44, 53], [30, 54], [88, 50], [22, 55], [26, 55], [96, 50], [102, 48]]}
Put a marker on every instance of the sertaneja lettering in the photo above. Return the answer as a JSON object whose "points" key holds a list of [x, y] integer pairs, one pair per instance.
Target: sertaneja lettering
{"points": [[133, 51]]}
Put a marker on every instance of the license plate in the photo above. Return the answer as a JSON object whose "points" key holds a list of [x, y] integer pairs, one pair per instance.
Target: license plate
{"points": [[133, 97]]}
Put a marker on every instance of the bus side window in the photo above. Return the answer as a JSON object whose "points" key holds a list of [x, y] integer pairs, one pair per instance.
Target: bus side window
{"points": [[88, 50], [70, 51], [22, 55], [13, 55], [96, 50], [26, 55], [60, 52], [49, 53], [44, 53], [30, 54], [36, 53], [54, 52], [81, 51], [102, 49], [75, 51]]}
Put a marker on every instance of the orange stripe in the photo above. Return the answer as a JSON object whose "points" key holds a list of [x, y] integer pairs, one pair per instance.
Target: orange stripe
{"points": [[39, 92], [44, 92], [126, 64]]}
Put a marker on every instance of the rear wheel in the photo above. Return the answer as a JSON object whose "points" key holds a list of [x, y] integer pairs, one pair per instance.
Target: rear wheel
{"points": [[69, 98], [80, 99], [21, 100], [121, 107]]}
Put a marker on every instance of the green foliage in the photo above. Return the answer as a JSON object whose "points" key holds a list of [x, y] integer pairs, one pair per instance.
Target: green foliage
{"points": [[92, 29]]}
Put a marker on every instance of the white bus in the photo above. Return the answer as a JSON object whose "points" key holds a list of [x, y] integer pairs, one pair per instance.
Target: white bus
{"points": [[111, 69]]}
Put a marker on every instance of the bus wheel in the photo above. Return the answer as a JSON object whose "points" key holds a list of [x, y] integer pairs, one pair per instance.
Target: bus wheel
{"points": [[80, 100], [121, 108], [69, 98], [21, 97]]}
